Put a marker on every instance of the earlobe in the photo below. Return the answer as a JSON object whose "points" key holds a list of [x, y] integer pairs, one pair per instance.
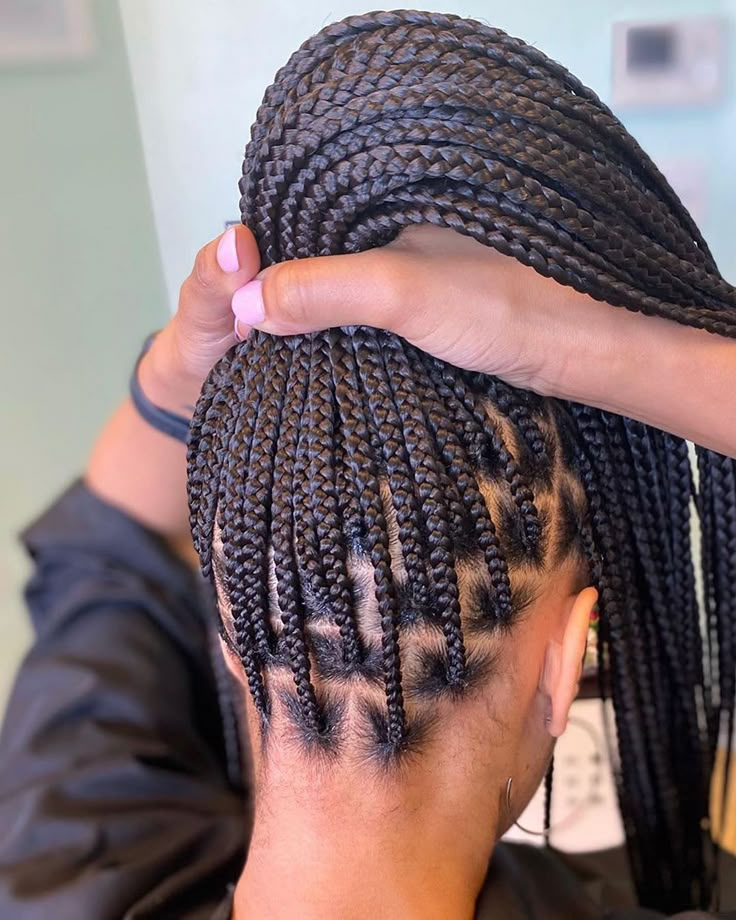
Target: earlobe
{"points": [[563, 662]]}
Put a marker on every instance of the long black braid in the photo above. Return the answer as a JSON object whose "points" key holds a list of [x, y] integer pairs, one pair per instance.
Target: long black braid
{"points": [[313, 456]]}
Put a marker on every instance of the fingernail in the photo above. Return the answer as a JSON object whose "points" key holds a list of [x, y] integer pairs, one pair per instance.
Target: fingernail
{"points": [[247, 303], [227, 251]]}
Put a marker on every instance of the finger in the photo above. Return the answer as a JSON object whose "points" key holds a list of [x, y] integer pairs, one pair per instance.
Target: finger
{"points": [[220, 268], [432, 290], [309, 294]]}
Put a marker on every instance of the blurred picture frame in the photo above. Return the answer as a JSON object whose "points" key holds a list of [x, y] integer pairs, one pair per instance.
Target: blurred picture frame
{"points": [[45, 30]]}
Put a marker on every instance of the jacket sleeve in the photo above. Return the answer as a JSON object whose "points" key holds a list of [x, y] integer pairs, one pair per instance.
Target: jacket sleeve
{"points": [[119, 792]]}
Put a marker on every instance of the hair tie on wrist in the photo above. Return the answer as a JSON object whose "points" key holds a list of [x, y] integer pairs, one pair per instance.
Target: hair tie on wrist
{"points": [[169, 423]]}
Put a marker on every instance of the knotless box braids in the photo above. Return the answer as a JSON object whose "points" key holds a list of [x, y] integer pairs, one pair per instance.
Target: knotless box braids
{"points": [[314, 457]]}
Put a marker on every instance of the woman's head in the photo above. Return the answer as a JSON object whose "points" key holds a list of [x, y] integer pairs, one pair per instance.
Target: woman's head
{"points": [[392, 537], [379, 527]]}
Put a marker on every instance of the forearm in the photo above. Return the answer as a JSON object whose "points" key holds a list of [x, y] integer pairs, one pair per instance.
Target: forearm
{"points": [[672, 377], [137, 468], [681, 380]]}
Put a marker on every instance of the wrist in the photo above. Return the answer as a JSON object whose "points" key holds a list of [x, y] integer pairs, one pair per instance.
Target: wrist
{"points": [[593, 352], [164, 376], [644, 367]]}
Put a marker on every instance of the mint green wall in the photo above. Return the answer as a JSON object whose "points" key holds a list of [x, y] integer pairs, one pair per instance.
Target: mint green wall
{"points": [[80, 281]]}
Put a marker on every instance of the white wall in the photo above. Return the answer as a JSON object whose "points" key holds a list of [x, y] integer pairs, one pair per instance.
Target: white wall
{"points": [[200, 69]]}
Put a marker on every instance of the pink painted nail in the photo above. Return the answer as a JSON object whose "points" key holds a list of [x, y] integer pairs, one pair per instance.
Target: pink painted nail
{"points": [[227, 251], [247, 303]]}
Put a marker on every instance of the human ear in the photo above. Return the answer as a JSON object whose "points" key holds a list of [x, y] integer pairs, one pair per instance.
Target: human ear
{"points": [[563, 661]]}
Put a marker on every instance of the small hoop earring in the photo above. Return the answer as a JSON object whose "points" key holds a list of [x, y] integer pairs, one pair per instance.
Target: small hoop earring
{"points": [[544, 833], [595, 779]]}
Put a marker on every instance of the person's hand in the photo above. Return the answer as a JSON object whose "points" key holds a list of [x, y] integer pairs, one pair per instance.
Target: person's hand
{"points": [[460, 301], [447, 294], [475, 308], [201, 330]]}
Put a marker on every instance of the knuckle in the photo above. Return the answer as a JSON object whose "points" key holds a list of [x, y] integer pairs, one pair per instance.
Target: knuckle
{"points": [[287, 292], [205, 273]]}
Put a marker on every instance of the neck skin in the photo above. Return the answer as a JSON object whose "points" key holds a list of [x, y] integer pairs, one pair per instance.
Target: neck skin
{"points": [[344, 845], [331, 865], [341, 835], [351, 839]]}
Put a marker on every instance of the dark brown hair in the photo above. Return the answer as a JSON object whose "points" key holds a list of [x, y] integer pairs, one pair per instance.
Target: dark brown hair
{"points": [[302, 448]]}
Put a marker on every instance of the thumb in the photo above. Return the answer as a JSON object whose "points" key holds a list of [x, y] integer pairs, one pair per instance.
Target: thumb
{"points": [[306, 295]]}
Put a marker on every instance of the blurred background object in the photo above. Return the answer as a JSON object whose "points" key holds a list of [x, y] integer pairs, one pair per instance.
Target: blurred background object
{"points": [[45, 30], [119, 160], [669, 62]]}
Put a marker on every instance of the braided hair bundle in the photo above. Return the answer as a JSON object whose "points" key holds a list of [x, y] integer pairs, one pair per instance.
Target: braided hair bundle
{"points": [[311, 456]]}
